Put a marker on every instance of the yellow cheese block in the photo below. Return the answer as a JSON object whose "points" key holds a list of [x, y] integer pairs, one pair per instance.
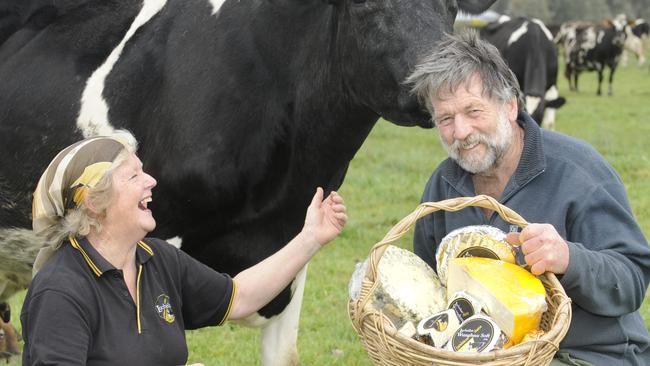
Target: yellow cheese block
{"points": [[510, 295], [473, 241]]}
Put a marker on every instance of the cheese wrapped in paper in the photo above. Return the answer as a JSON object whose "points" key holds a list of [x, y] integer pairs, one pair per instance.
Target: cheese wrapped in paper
{"points": [[439, 327], [510, 295], [354, 286], [464, 305], [473, 241], [477, 334], [407, 288]]}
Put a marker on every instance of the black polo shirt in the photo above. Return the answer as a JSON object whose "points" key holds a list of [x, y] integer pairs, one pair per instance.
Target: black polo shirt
{"points": [[78, 310]]}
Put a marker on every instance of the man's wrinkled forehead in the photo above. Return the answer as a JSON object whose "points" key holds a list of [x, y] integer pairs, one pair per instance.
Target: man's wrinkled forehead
{"points": [[448, 90], [472, 84]]}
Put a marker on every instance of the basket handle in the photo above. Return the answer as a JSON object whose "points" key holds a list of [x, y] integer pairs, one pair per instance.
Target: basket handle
{"points": [[425, 208]]}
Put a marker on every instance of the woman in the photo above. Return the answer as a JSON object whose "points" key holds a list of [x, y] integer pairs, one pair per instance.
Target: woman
{"points": [[106, 295]]}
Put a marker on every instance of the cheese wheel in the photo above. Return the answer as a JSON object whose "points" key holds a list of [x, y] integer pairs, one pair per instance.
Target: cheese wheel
{"points": [[473, 241]]}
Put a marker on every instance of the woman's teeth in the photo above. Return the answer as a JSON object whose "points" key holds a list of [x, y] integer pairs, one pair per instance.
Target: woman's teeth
{"points": [[145, 201]]}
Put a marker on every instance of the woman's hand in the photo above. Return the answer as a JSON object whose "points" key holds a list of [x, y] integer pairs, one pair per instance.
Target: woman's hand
{"points": [[325, 219]]}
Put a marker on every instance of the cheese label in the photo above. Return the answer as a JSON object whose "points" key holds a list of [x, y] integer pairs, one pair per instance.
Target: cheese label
{"points": [[478, 252], [438, 322], [474, 335], [463, 308]]}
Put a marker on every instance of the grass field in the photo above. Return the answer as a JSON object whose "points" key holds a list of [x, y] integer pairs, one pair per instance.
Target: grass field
{"points": [[384, 184]]}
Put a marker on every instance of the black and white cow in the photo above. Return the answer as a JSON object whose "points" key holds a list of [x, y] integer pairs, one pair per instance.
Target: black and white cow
{"points": [[241, 107], [527, 46], [591, 48], [637, 32]]}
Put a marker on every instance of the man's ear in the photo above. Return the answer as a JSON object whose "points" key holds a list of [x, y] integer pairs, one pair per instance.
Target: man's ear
{"points": [[512, 109]]}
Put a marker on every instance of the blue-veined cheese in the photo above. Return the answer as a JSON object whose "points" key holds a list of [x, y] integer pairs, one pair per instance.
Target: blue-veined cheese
{"points": [[407, 288], [408, 330], [473, 241], [510, 295]]}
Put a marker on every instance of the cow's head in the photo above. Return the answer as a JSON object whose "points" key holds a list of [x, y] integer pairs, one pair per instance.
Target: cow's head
{"points": [[619, 29], [378, 43]]}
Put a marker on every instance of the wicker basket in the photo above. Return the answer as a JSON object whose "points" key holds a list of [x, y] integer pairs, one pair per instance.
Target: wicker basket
{"points": [[386, 346]]}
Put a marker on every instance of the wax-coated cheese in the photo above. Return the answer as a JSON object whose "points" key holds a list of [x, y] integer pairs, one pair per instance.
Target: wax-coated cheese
{"points": [[510, 295]]}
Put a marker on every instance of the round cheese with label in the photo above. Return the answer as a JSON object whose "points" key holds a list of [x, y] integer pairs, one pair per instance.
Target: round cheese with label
{"points": [[477, 334], [473, 241]]}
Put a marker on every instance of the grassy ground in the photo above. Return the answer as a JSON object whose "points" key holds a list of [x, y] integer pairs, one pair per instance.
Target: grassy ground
{"points": [[384, 184]]}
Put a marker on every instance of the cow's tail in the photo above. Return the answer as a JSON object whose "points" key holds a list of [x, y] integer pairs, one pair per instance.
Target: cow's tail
{"points": [[552, 101], [556, 103], [18, 250]]}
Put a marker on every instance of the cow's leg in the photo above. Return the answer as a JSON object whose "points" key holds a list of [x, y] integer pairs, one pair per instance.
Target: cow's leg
{"points": [[279, 337], [575, 80], [568, 75], [280, 333], [610, 90], [600, 81]]}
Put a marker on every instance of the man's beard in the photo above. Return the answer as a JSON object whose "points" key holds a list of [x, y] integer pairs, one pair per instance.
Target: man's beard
{"points": [[496, 145]]}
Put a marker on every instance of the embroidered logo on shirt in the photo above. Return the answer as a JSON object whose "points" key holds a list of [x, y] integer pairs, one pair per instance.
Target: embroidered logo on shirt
{"points": [[164, 308]]}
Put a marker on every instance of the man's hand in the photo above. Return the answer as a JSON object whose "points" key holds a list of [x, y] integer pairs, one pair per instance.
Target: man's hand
{"points": [[325, 219], [543, 248]]}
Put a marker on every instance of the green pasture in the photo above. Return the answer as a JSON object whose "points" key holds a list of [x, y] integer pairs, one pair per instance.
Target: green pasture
{"points": [[384, 184]]}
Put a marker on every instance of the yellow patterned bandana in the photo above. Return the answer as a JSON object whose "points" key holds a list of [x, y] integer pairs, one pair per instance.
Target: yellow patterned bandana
{"points": [[75, 170]]}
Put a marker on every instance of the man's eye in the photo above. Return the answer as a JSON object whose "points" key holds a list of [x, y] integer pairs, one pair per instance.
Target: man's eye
{"points": [[474, 112], [444, 121]]}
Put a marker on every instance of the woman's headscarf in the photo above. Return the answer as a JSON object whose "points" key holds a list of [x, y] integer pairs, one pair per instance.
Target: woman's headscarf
{"points": [[67, 179]]}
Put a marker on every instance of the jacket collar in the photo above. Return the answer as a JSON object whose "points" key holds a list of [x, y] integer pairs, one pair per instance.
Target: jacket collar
{"points": [[531, 163]]}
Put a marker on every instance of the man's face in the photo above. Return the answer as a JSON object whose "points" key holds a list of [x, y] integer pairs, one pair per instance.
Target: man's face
{"points": [[475, 130]]}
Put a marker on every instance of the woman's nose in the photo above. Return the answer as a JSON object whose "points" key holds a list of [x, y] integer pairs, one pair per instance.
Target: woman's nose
{"points": [[151, 181]]}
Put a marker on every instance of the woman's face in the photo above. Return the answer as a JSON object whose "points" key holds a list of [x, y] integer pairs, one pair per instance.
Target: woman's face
{"points": [[128, 213]]}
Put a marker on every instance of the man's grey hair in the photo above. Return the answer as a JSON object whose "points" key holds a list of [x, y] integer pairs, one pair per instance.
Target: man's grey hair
{"points": [[455, 61]]}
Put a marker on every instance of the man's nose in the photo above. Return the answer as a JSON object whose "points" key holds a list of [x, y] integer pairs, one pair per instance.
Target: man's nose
{"points": [[462, 127]]}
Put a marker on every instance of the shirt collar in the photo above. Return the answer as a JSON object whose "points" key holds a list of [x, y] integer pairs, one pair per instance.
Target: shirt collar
{"points": [[98, 264], [531, 163]]}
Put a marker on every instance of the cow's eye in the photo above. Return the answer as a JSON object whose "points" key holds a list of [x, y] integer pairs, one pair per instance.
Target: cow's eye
{"points": [[358, 1]]}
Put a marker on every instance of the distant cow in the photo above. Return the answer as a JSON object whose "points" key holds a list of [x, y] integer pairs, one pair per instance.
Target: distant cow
{"points": [[591, 48], [241, 108], [637, 32], [527, 46]]}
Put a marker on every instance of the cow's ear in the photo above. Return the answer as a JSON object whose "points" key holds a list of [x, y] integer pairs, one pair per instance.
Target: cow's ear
{"points": [[474, 6]]}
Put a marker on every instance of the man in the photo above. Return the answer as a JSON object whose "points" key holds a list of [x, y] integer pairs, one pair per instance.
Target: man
{"points": [[583, 228]]}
